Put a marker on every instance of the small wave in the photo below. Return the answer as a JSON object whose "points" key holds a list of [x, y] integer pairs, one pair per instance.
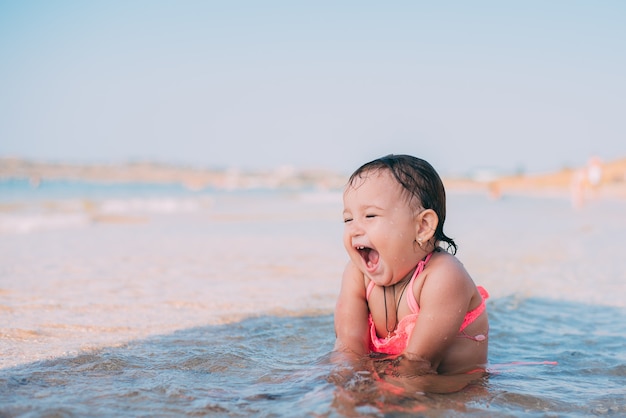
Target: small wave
{"points": [[75, 213], [25, 223], [161, 205]]}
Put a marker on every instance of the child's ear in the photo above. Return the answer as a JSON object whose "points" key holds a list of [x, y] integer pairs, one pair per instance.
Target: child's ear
{"points": [[426, 225]]}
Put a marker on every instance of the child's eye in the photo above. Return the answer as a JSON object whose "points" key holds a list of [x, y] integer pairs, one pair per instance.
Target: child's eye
{"points": [[371, 215], [346, 220]]}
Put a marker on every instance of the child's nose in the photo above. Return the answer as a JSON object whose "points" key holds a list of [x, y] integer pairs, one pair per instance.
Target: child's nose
{"points": [[355, 228]]}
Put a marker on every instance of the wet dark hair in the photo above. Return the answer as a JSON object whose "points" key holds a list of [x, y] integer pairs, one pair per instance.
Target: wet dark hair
{"points": [[420, 181]]}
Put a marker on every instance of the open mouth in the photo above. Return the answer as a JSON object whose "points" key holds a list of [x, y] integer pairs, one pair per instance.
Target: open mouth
{"points": [[370, 256]]}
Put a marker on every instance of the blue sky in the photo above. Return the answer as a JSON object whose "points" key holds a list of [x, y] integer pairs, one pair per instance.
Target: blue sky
{"points": [[528, 85]]}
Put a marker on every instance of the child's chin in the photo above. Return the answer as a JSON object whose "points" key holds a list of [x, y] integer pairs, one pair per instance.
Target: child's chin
{"points": [[378, 278]]}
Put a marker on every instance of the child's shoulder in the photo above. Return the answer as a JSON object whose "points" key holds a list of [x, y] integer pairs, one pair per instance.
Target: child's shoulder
{"points": [[447, 279], [442, 256], [447, 266]]}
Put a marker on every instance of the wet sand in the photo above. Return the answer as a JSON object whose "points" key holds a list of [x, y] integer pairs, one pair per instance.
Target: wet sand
{"points": [[77, 288]]}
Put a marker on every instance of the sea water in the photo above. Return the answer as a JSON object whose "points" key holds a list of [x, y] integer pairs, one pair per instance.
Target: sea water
{"points": [[143, 300]]}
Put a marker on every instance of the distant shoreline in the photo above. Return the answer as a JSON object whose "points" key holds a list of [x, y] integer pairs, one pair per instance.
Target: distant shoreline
{"points": [[610, 181], [158, 173]]}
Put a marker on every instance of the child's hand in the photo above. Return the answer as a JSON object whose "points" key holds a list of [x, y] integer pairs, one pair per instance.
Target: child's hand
{"points": [[415, 376], [403, 366]]}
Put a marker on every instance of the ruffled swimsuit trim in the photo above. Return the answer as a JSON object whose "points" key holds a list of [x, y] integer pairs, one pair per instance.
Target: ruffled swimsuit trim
{"points": [[398, 342]]}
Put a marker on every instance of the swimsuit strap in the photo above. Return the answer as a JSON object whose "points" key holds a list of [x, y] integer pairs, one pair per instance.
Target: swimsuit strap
{"points": [[477, 311], [370, 287], [410, 298]]}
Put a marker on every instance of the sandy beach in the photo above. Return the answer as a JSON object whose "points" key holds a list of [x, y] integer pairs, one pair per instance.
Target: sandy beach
{"points": [[596, 179], [81, 274]]}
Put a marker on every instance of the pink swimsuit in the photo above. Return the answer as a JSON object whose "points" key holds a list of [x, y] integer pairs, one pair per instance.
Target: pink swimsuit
{"points": [[398, 342]]}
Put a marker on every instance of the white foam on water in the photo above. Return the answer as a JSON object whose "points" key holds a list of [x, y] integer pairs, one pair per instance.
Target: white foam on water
{"points": [[16, 223]]}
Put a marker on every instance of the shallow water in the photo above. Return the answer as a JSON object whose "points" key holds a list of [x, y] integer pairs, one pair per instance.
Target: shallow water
{"points": [[277, 366], [159, 301]]}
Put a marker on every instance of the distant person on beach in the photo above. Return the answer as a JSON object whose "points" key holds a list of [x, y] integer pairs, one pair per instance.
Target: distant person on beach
{"points": [[586, 182], [594, 172], [403, 297]]}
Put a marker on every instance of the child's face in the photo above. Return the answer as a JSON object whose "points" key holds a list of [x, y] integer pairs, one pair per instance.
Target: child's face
{"points": [[380, 228]]}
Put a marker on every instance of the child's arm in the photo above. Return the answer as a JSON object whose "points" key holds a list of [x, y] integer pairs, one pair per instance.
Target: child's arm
{"points": [[444, 300], [351, 314]]}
